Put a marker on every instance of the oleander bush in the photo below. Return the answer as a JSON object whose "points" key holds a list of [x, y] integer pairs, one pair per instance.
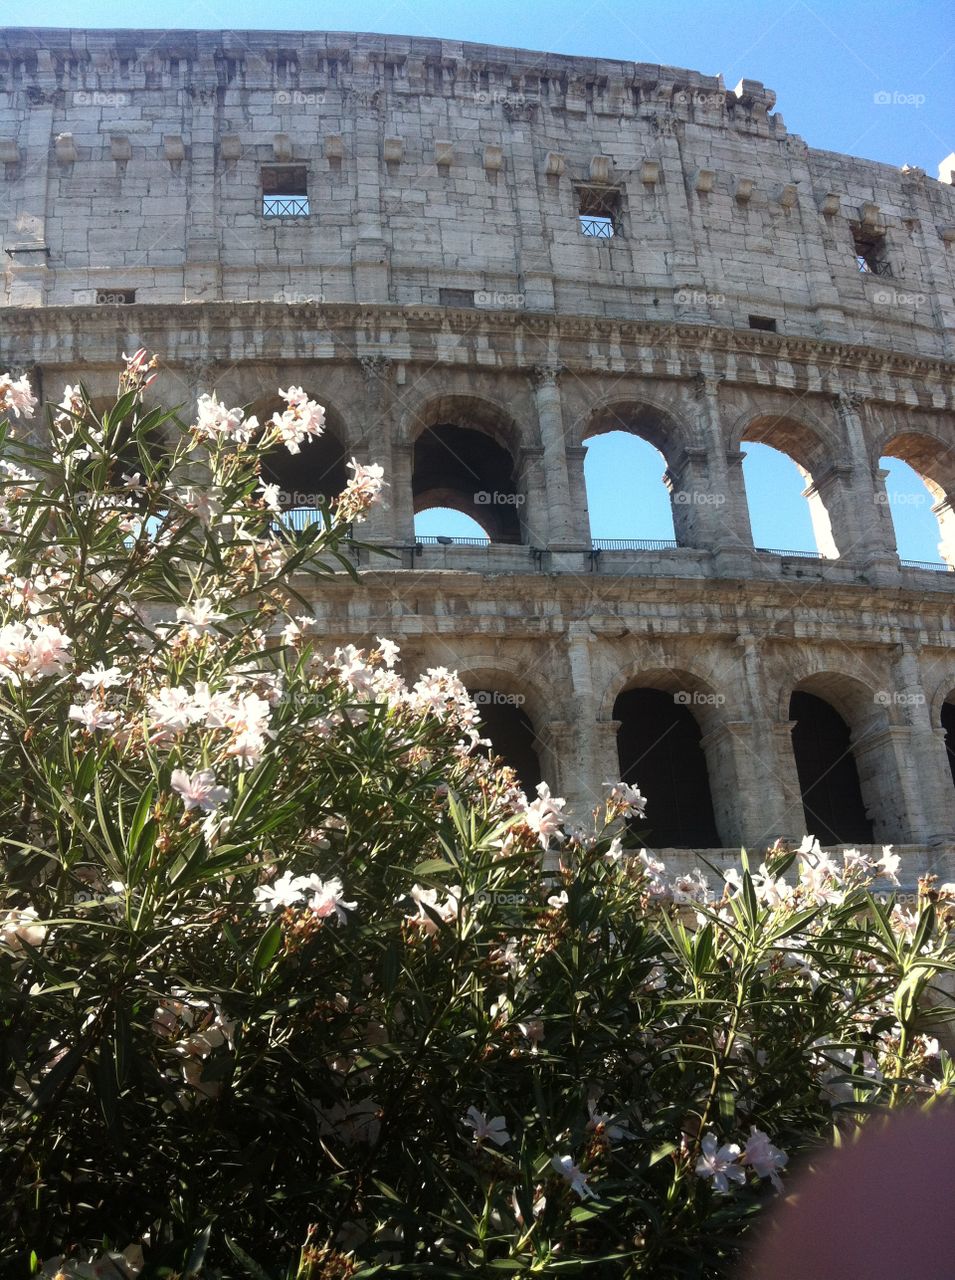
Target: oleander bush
{"points": [[297, 983]]}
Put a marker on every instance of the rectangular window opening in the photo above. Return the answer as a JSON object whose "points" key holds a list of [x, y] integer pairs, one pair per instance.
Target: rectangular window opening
{"points": [[114, 297], [284, 191], [456, 297], [871, 253], [598, 212], [766, 323]]}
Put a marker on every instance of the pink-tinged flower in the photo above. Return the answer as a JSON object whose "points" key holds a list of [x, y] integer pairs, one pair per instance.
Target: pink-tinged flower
{"points": [[603, 1121], [572, 1174], [446, 910], [287, 891], [389, 651], [215, 421], [658, 883], [720, 1163], [763, 1158], [487, 1130], [199, 617], [328, 898], [100, 677], [31, 651], [270, 497], [627, 799], [199, 790], [532, 1029], [201, 503], [16, 397], [544, 816], [21, 925], [92, 716], [303, 419], [362, 491], [171, 711], [889, 864]]}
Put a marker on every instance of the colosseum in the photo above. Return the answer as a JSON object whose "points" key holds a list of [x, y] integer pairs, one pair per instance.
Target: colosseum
{"points": [[479, 259]]}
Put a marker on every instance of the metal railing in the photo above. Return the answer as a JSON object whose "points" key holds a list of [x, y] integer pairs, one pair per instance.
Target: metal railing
{"points": [[600, 228], [299, 518], [634, 544], [790, 555], [442, 540], [285, 206], [933, 565]]}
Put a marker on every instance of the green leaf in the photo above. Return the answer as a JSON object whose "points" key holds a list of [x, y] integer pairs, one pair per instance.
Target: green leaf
{"points": [[268, 946], [252, 1268]]}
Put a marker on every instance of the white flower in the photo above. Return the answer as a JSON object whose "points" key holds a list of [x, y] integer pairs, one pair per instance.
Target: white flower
{"points": [[21, 925], [93, 716], [447, 911], [100, 677], [659, 885], [17, 397], [362, 491], [389, 651], [288, 891], [544, 816], [627, 799], [328, 898], [487, 1130], [571, 1173], [199, 791], [889, 864], [303, 419], [603, 1121], [270, 497], [719, 1163], [200, 616], [214, 420], [558, 900], [764, 1159]]}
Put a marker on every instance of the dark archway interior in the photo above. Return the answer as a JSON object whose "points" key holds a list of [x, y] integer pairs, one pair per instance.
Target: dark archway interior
{"points": [[828, 777], [511, 733], [317, 473], [466, 470], [948, 724], [658, 744]]}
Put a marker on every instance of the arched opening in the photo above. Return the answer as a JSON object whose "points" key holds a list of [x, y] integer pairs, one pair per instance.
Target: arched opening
{"points": [[919, 474], [626, 495], [828, 775], [465, 469], [778, 516], [508, 726], [778, 510], [316, 474], [445, 522], [948, 724], [633, 451], [659, 749]]}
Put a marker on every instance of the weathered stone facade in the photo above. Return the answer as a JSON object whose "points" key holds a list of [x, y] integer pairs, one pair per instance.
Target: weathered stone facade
{"points": [[440, 281]]}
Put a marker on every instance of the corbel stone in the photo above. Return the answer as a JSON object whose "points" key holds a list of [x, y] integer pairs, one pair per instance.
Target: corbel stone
{"points": [[120, 148], [444, 153], [554, 165], [703, 181], [334, 147], [393, 149], [870, 216], [830, 204], [174, 148], [788, 195], [493, 158], [650, 172], [64, 148], [9, 151], [743, 191], [282, 147], [230, 146], [600, 169]]}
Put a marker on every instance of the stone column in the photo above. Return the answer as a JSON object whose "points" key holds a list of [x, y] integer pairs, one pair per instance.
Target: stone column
{"points": [[855, 495], [928, 778], [724, 467], [202, 273], [944, 513], [533, 515], [586, 754], [27, 258], [560, 523], [401, 496], [370, 265], [375, 443]]}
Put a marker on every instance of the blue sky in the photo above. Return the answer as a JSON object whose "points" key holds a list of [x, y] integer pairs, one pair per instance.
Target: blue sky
{"points": [[829, 61]]}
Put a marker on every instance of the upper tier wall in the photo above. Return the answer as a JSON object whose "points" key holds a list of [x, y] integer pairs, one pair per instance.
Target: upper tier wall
{"points": [[132, 161]]}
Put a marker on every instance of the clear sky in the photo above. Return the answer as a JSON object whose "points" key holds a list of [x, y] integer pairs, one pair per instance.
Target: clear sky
{"points": [[873, 78]]}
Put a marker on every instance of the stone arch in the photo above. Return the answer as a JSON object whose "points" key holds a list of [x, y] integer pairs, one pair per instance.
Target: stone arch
{"points": [[788, 433], [318, 472], [843, 749], [943, 719], [672, 742], [933, 460], [514, 715], [466, 455], [665, 432]]}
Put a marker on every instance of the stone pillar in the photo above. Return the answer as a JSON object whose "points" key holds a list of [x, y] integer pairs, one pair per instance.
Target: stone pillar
{"points": [[202, 273], [375, 444], [730, 524], [533, 515], [370, 267], [889, 779], [856, 496], [944, 513], [532, 248], [928, 781], [560, 522], [400, 495], [581, 761], [27, 250]]}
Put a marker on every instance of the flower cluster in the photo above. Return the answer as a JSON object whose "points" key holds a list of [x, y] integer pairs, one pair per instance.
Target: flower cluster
{"points": [[32, 651], [727, 1163]]}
